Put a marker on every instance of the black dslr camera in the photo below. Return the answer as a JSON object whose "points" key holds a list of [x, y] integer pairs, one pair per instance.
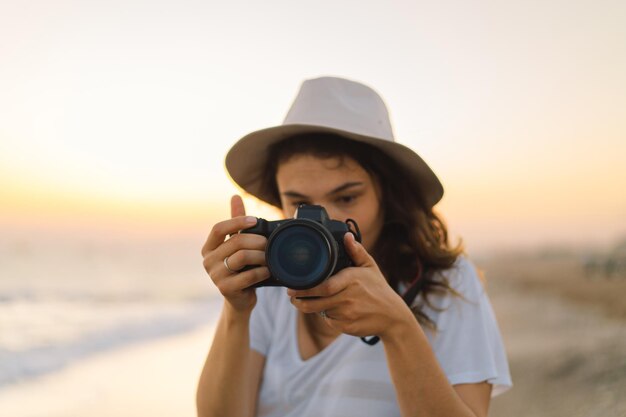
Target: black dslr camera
{"points": [[304, 251]]}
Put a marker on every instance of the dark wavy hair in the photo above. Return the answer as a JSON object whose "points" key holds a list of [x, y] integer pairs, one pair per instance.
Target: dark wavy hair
{"points": [[413, 243]]}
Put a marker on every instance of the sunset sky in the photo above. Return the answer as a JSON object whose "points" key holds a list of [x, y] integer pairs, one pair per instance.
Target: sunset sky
{"points": [[116, 115]]}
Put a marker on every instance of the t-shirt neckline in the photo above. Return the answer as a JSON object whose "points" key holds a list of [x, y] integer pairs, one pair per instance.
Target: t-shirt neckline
{"points": [[295, 347]]}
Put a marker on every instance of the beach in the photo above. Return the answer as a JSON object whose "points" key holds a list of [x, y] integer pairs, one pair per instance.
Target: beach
{"points": [[565, 337], [154, 378], [95, 328], [566, 357]]}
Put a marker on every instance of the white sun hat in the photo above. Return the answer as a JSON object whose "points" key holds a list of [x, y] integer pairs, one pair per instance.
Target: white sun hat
{"points": [[338, 106]]}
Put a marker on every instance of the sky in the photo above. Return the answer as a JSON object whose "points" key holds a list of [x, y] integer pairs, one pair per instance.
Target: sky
{"points": [[115, 116]]}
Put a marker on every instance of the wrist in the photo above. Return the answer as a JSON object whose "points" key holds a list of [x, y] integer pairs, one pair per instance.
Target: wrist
{"points": [[404, 325], [234, 316]]}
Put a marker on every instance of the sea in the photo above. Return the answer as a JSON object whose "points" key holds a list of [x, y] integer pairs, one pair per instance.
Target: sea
{"points": [[63, 298]]}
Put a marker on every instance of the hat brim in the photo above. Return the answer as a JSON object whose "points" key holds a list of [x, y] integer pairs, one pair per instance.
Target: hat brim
{"points": [[246, 161]]}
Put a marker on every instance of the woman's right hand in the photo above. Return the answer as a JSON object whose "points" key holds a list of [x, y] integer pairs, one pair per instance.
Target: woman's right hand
{"points": [[239, 250]]}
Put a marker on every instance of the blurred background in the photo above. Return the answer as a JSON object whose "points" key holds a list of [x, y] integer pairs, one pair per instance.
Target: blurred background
{"points": [[115, 117]]}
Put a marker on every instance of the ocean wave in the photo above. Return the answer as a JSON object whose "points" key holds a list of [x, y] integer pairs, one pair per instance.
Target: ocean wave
{"points": [[44, 336]]}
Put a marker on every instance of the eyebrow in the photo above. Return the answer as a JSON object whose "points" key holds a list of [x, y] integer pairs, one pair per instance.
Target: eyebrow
{"points": [[339, 189]]}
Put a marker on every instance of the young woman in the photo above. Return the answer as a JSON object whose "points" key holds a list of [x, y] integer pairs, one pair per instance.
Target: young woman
{"points": [[277, 352]]}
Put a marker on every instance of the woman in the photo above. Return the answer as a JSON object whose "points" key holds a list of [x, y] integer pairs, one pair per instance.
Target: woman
{"points": [[440, 351]]}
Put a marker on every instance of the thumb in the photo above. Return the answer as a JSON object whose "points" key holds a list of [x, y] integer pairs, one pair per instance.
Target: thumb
{"points": [[236, 206], [357, 252]]}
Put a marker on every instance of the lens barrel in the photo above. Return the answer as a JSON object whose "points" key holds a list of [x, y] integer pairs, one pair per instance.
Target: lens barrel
{"points": [[301, 254]]}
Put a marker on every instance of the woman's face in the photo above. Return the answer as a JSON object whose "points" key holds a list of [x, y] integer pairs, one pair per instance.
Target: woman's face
{"points": [[341, 186]]}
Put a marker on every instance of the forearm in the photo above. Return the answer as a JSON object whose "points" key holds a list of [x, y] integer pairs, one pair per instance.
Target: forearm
{"points": [[223, 388], [421, 386]]}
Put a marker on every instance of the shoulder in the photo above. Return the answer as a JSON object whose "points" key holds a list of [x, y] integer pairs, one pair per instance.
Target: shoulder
{"points": [[466, 338], [464, 278], [466, 295]]}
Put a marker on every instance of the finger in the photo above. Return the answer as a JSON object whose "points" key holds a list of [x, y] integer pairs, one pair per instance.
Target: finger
{"points": [[237, 207], [331, 286], [214, 260], [241, 241], [357, 252], [242, 258], [243, 280], [222, 229], [315, 305], [332, 314]]}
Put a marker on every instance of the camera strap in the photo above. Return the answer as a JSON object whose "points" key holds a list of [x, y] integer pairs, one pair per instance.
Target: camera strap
{"points": [[356, 232]]}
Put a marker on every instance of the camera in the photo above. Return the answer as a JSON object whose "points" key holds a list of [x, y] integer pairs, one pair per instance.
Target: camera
{"points": [[302, 252]]}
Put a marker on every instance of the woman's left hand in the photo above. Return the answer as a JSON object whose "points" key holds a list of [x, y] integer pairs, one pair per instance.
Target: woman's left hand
{"points": [[357, 300]]}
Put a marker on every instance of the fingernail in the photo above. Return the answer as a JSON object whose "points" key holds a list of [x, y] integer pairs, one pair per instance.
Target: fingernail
{"points": [[250, 220]]}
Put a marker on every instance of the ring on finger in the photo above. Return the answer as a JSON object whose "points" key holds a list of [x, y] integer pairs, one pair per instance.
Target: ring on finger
{"points": [[228, 267], [323, 314]]}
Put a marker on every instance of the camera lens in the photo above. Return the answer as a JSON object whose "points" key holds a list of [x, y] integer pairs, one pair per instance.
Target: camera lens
{"points": [[299, 256]]}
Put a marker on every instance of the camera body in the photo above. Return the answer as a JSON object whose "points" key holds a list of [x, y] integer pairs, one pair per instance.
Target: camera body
{"points": [[304, 251]]}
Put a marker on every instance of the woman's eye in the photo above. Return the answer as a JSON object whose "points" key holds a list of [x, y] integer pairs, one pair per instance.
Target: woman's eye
{"points": [[346, 199]]}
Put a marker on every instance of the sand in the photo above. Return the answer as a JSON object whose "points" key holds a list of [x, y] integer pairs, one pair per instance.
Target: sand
{"points": [[567, 352]]}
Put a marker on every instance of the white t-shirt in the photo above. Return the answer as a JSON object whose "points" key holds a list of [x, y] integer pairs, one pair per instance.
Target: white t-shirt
{"points": [[350, 378]]}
